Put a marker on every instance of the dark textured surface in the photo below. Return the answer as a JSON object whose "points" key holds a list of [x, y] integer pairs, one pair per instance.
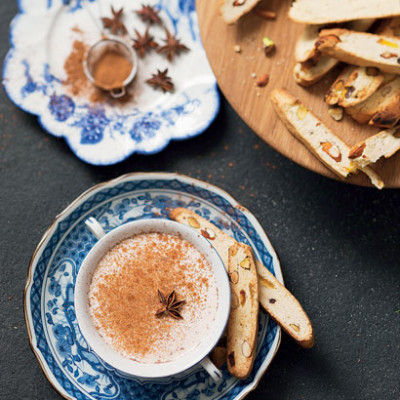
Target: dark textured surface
{"points": [[338, 245]]}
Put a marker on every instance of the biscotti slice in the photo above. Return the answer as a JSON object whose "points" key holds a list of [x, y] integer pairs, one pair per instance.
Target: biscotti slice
{"points": [[312, 71], [382, 109], [354, 85], [388, 27], [383, 144], [360, 48], [284, 308], [307, 128], [305, 46], [241, 339], [336, 11], [314, 66], [232, 10]]}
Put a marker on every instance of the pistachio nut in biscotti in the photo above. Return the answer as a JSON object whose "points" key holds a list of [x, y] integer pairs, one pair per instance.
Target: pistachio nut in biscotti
{"points": [[336, 11], [317, 137], [360, 48], [276, 300], [242, 327]]}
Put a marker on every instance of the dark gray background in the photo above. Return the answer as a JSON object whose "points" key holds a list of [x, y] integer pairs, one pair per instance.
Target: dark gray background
{"points": [[338, 245]]}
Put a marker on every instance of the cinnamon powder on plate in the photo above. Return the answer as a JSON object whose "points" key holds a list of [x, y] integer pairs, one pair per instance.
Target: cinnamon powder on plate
{"points": [[76, 78]]}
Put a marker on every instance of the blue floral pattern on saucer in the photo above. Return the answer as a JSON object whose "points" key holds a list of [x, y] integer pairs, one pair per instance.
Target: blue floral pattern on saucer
{"points": [[104, 132], [74, 370]]}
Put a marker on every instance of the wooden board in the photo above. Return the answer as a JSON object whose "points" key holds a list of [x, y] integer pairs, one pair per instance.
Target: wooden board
{"points": [[234, 74]]}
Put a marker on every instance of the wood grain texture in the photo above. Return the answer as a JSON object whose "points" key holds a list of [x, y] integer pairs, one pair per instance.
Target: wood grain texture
{"points": [[234, 74]]}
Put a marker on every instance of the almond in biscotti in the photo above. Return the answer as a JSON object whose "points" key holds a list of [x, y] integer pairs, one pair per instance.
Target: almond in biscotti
{"points": [[243, 319]]}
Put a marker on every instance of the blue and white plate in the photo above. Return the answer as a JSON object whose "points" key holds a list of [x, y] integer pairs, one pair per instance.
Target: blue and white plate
{"points": [[42, 36], [66, 359]]}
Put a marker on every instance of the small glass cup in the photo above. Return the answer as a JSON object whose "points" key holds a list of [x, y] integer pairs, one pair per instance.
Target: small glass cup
{"points": [[97, 50]]}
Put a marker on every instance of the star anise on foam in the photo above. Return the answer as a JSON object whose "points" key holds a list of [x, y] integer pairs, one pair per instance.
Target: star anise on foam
{"points": [[115, 24], [172, 46], [161, 80], [149, 14], [144, 43], [170, 305]]}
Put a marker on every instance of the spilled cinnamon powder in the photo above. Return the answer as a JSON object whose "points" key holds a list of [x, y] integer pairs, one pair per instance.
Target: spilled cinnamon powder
{"points": [[76, 78], [124, 300]]}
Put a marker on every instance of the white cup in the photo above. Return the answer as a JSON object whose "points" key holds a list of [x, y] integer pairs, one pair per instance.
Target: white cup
{"points": [[197, 355]]}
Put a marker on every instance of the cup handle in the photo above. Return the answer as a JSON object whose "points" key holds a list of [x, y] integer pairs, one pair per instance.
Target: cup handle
{"points": [[95, 227], [117, 93], [212, 370]]}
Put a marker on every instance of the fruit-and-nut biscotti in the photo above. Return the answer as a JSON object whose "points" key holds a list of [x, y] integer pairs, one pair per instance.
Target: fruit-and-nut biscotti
{"points": [[276, 300], [242, 327], [361, 48], [336, 11], [322, 142], [369, 151]]}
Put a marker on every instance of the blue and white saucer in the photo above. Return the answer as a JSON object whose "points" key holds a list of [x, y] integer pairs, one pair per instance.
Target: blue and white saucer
{"points": [[67, 361], [42, 37]]}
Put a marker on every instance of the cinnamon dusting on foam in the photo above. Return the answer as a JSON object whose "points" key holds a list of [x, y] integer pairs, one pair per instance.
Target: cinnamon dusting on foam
{"points": [[123, 297]]}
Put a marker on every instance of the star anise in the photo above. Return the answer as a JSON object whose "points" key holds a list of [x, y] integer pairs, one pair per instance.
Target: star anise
{"points": [[172, 46], [170, 305], [115, 24], [149, 14], [144, 43], [161, 80]]}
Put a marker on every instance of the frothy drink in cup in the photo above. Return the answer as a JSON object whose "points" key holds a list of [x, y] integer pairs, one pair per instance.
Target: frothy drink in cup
{"points": [[153, 297]]}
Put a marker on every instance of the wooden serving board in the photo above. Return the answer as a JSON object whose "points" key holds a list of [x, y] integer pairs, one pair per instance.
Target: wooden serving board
{"points": [[234, 74]]}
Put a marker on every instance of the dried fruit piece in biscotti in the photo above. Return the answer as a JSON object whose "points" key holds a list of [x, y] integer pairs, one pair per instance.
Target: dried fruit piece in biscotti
{"points": [[322, 142], [232, 10], [335, 11], [383, 144], [361, 48], [276, 300], [242, 327], [354, 85]]}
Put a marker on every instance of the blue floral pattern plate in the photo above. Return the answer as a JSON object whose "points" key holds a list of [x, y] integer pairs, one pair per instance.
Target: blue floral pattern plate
{"points": [[66, 359], [102, 131]]}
